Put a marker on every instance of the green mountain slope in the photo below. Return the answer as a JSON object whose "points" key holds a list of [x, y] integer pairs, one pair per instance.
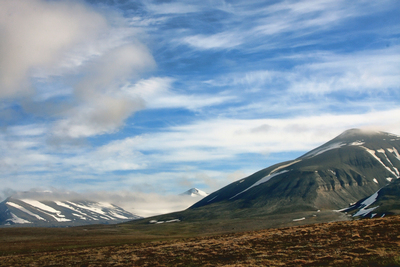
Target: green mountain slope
{"points": [[348, 168]]}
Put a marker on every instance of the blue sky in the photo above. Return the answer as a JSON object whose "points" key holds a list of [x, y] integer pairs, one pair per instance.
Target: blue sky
{"points": [[156, 97]]}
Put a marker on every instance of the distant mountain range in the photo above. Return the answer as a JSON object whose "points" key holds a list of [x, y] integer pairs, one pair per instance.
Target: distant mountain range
{"points": [[32, 212], [357, 169]]}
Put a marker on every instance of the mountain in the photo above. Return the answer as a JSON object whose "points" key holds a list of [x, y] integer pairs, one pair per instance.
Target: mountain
{"points": [[194, 192], [350, 167], [60, 213], [385, 201]]}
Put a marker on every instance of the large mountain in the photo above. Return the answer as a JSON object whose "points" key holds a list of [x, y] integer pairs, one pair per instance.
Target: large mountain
{"points": [[60, 213], [350, 167]]}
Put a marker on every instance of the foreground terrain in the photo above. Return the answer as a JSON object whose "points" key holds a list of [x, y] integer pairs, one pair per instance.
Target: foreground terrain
{"points": [[372, 242]]}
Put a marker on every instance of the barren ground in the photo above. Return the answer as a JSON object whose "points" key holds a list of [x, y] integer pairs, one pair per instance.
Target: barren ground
{"points": [[372, 242]]}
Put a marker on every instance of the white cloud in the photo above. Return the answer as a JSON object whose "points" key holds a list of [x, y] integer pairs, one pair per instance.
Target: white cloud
{"points": [[281, 24], [36, 33], [221, 40], [157, 92], [222, 139], [367, 71], [171, 8], [102, 107], [69, 51]]}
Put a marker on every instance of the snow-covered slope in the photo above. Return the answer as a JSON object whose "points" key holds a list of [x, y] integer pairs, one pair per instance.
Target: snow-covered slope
{"points": [[60, 213], [385, 201]]}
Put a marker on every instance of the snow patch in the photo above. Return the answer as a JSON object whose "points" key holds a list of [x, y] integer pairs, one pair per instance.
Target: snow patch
{"points": [[40, 205], [366, 203], [79, 216], [70, 207], [389, 179], [391, 163], [364, 211], [173, 220], [372, 152], [16, 219], [261, 181], [96, 208], [395, 152], [212, 199], [284, 166], [376, 181], [116, 215], [323, 149], [161, 222], [46, 210], [25, 210], [357, 143], [300, 219]]}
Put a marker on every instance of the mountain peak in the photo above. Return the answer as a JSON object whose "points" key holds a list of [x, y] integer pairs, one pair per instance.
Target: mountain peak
{"points": [[194, 192], [358, 133], [355, 131]]}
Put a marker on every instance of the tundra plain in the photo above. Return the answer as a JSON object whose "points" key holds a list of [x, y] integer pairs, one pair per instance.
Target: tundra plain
{"points": [[368, 242]]}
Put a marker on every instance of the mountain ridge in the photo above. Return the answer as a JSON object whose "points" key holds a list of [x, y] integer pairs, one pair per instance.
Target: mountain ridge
{"points": [[31, 212]]}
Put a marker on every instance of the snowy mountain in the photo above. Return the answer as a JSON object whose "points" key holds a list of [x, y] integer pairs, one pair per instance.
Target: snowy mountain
{"points": [[194, 192], [60, 213], [349, 168]]}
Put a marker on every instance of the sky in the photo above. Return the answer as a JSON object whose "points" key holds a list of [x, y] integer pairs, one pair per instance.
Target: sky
{"points": [[138, 101]]}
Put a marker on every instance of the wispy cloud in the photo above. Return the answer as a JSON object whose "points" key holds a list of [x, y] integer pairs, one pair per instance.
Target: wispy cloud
{"points": [[158, 93], [288, 20]]}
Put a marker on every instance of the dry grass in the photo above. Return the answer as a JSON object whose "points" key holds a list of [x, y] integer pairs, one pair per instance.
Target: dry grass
{"points": [[374, 242]]}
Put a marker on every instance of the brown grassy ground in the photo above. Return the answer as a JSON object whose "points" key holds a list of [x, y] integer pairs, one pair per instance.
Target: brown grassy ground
{"points": [[374, 242]]}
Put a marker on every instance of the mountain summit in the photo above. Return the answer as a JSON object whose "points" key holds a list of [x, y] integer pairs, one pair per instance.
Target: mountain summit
{"points": [[194, 192], [350, 167]]}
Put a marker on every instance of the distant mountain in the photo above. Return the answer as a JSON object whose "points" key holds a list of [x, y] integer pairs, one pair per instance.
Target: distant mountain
{"points": [[350, 167], [194, 192], [60, 213]]}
